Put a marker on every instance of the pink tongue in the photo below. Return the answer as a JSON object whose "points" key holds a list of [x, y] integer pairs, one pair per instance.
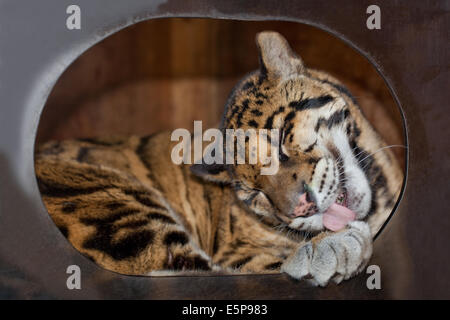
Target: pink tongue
{"points": [[337, 217]]}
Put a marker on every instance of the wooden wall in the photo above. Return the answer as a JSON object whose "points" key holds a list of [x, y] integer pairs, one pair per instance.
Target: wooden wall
{"points": [[164, 74]]}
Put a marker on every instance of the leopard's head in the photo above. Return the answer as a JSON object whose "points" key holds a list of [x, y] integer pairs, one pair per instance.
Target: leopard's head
{"points": [[321, 149]]}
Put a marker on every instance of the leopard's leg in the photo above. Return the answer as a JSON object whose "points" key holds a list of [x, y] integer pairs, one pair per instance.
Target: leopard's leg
{"points": [[332, 256], [328, 256], [245, 244]]}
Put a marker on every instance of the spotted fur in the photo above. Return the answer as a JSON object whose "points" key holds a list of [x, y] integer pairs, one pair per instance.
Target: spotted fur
{"points": [[124, 204]]}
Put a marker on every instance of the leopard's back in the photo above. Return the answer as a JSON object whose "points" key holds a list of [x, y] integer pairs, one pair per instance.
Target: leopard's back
{"points": [[126, 206], [104, 197]]}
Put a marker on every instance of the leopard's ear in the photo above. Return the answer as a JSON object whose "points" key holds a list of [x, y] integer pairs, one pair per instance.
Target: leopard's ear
{"points": [[212, 172], [277, 60]]}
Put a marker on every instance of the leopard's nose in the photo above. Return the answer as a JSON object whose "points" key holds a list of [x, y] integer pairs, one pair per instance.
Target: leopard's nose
{"points": [[306, 205]]}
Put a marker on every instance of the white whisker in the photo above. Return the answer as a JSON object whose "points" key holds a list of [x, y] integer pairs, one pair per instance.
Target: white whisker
{"points": [[385, 147]]}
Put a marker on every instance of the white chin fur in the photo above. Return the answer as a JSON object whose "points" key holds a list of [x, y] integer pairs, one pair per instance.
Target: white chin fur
{"points": [[358, 189]]}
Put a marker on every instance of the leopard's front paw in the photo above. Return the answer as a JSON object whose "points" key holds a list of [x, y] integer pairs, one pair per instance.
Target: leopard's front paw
{"points": [[335, 257]]}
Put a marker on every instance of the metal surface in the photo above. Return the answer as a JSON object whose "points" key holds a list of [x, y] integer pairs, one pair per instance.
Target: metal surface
{"points": [[411, 52]]}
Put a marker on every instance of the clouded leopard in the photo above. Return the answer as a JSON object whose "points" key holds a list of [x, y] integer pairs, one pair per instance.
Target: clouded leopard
{"points": [[123, 203]]}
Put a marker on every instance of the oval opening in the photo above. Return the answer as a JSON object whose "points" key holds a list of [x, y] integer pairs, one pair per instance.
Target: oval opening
{"points": [[165, 74]]}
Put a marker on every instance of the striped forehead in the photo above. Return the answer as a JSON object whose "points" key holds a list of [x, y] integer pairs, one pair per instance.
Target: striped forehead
{"points": [[321, 109], [306, 127], [304, 101], [307, 111]]}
